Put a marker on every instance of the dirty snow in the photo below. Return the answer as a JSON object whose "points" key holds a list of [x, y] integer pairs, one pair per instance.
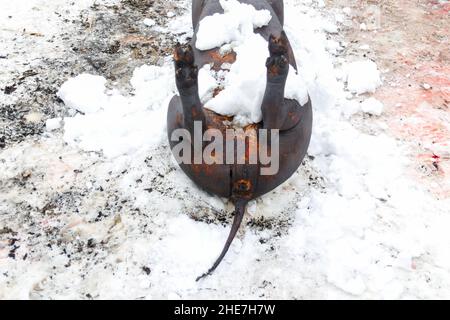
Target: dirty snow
{"points": [[149, 22], [98, 209]]}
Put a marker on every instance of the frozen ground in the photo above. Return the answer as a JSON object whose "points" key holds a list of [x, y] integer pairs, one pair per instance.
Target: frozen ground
{"points": [[94, 207]]}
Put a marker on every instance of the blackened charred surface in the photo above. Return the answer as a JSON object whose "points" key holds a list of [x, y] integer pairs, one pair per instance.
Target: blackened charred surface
{"points": [[107, 39], [241, 182], [186, 73], [115, 41], [197, 7], [278, 7], [277, 65], [25, 108], [278, 112], [214, 179], [294, 145]]}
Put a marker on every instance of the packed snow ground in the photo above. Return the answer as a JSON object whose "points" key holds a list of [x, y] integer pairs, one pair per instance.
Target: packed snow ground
{"points": [[125, 222]]}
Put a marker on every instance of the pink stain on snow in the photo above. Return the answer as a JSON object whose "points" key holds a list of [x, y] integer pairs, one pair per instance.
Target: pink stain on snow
{"points": [[420, 114]]}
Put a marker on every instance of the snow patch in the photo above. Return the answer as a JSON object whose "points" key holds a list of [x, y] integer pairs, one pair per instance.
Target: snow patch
{"points": [[363, 77], [372, 106], [243, 87], [84, 93], [149, 22], [117, 124], [53, 124], [235, 24]]}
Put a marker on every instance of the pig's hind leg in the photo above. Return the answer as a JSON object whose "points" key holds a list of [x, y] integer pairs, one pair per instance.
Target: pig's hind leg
{"points": [[274, 113]]}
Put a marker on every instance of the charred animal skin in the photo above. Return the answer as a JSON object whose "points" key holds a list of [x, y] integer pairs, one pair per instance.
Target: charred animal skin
{"points": [[241, 183]]}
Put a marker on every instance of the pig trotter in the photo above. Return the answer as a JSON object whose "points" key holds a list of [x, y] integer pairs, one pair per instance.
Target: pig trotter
{"points": [[277, 72], [186, 74], [239, 215], [186, 71], [278, 45]]}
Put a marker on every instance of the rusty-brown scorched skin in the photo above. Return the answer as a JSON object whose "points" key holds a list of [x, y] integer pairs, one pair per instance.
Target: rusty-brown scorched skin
{"points": [[241, 183]]}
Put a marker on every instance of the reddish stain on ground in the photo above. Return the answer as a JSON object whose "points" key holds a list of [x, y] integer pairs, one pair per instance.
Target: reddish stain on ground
{"points": [[413, 44], [421, 116]]}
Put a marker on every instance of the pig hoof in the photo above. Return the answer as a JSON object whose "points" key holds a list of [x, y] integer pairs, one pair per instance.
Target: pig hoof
{"points": [[278, 64], [277, 68], [278, 45], [185, 69]]}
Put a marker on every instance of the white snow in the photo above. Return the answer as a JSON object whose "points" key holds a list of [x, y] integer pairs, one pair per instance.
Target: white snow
{"points": [[84, 93], [121, 124], [330, 27], [246, 80], [426, 86], [296, 87], [235, 24], [347, 11], [208, 81], [247, 77], [372, 106], [53, 124], [149, 22], [363, 77]]}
